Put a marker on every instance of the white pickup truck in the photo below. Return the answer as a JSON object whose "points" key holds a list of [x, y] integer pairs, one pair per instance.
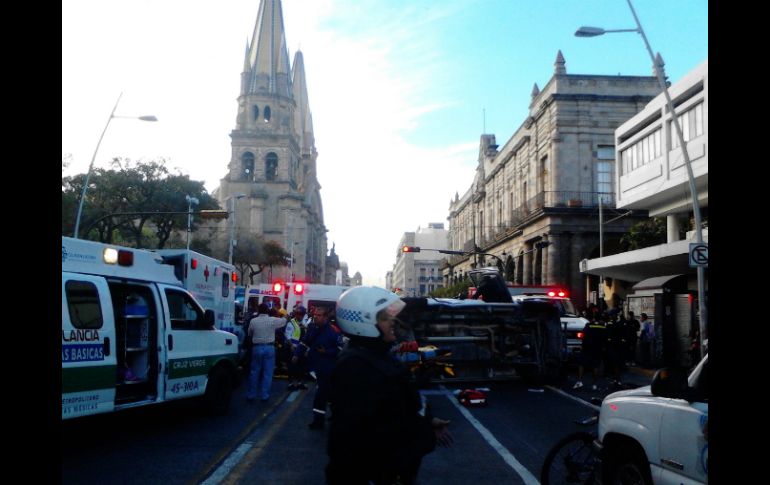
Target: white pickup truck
{"points": [[657, 434]]}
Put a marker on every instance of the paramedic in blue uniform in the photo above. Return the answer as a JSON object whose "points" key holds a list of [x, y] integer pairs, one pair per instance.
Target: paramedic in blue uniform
{"points": [[379, 431], [321, 344]]}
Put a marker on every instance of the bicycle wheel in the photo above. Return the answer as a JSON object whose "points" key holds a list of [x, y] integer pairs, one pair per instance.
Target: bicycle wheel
{"points": [[571, 460]]}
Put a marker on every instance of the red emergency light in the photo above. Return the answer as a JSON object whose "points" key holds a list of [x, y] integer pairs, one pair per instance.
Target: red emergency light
{"points": [[125, 258], [234, 277], [299, 288], [277, 287], [559, 293], [194, 263]]}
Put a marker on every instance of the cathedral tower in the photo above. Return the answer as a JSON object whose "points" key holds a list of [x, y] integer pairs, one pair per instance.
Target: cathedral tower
{"points": [[273, 157]]}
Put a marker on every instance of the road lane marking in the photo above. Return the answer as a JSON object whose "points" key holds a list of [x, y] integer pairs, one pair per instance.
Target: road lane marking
{"points": [[243, 457], [574, 398], [507, 456]]}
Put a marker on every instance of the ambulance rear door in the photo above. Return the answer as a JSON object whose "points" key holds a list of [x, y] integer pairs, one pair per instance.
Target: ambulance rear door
{"points": [[88, 353]]}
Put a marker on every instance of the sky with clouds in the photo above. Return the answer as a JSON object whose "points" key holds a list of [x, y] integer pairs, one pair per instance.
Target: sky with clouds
{"points": [[400, 90]]}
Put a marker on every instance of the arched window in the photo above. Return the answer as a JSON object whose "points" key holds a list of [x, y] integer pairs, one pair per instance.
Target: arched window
{"points": [[271, 165], [266, 113], [255, 110], [247, 162]]}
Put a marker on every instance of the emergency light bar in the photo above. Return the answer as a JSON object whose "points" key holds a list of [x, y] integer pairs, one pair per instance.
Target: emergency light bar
{"points": [[277, 287], [119, 256], [298, 288]]}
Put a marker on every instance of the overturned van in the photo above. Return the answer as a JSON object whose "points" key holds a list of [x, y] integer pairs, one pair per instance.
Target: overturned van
{"points": [[490, 340]]}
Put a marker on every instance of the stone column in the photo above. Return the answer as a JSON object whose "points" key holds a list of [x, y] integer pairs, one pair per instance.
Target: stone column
{"points": [[673, 226], [554, 264], [527, 264]]}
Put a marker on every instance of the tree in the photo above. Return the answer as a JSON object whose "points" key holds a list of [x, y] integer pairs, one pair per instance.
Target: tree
{"points": [[141, 187], [452, 291], [253, 254], [645, 234]]}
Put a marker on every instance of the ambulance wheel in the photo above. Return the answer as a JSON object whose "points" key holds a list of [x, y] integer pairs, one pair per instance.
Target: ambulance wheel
{"points": [[219, 390]]}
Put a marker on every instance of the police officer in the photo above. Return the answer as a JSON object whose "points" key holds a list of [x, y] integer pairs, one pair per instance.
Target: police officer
{"points": [[321, 345], [377, 433], [592, 351]]}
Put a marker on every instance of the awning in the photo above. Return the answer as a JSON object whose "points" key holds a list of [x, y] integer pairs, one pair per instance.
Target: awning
{"points": [[656, 282]]}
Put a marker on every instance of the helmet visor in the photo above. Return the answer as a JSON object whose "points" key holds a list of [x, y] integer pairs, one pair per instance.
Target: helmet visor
{"points": [[394, 308]]}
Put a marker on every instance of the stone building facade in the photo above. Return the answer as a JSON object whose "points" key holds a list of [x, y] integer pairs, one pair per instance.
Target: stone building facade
{"points": [[549, 182], [273, 157]]}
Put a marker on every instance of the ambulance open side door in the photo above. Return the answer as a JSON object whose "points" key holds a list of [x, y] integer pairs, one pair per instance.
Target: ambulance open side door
{"points": [[88, 356]]}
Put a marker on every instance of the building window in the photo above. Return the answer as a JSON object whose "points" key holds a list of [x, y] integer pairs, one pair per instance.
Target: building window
{"points": [[271, 166], [247, 162], [266, 112], [641, 153], [605, 152], [255, 110], [691, 122], [604, 180]]}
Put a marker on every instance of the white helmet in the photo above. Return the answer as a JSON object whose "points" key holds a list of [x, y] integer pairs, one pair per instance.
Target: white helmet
{"points": [[357, 309]]}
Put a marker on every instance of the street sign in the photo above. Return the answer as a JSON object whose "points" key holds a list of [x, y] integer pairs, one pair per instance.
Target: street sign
{"points": [[699, 255]]}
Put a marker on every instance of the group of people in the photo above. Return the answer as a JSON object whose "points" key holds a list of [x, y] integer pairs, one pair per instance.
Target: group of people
{"points": [[296, 343], [611, 340], [380, 428]]}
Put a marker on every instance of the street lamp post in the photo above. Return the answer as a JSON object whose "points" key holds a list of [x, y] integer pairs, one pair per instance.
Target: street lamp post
{"points": [[232, 244], [658, 65], [190, 202], [91, 165]]}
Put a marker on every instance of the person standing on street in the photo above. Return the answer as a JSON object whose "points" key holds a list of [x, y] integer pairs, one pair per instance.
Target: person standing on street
{"points": [[593, 349], [294, 334], [321, 345], [379, 431], [261, 334], [647, 340]]}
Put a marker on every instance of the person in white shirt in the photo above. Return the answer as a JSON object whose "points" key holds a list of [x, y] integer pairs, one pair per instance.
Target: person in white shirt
{"points": [[261, 333]]}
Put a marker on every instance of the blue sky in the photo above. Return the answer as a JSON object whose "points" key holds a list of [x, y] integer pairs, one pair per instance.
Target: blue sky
{"points": [[397, 89]]}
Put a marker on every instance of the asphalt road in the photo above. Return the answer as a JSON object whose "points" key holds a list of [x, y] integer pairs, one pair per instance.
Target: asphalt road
{"points": [[269, 443]]}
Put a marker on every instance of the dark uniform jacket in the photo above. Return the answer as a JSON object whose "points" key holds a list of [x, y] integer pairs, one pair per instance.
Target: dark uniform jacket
{"points": [[317, 337], [376, 430]]}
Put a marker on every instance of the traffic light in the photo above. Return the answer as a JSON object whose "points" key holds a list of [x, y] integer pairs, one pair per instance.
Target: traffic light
{"points": [[411, 249]]}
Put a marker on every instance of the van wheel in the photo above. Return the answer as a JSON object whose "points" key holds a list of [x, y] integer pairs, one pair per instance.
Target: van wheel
{"points": [[628, 466], [219, 390]]}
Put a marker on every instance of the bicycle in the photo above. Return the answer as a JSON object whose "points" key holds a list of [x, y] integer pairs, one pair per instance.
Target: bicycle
{"points": [[573, 459]]}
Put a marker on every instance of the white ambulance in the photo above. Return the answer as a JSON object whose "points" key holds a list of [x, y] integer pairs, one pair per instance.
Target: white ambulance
{"points": [[133, 336], [289, 295], [211, 281]]}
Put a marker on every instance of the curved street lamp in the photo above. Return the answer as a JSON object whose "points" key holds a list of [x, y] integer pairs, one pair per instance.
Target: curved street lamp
{"points": [[91, 165], [657, 63]]}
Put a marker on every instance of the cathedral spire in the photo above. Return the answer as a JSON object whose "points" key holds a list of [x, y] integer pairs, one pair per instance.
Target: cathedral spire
{"points": [[303, 120], [268, 57]]}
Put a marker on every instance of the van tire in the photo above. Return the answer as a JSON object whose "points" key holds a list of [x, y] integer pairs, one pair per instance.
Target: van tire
{"points": [[219, 390], [627, 465]]}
